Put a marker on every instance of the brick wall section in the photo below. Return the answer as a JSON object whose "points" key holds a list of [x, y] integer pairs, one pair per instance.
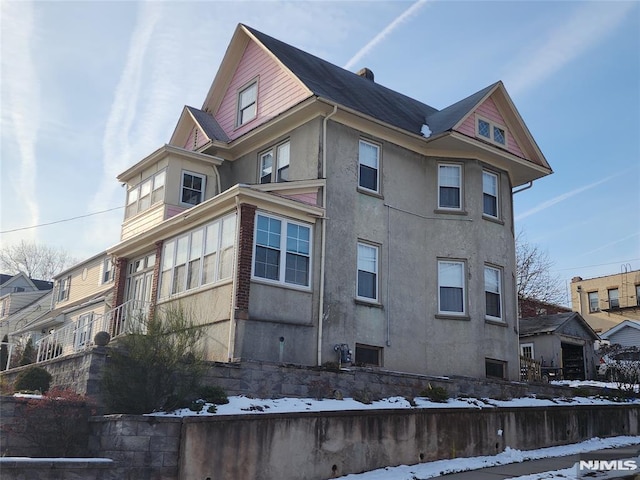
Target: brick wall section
{"points": [[530, 307], [156, 279], [245, 256]]}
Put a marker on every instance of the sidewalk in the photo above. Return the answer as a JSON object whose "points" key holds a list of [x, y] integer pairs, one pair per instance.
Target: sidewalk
{"points": [[530, 467]]}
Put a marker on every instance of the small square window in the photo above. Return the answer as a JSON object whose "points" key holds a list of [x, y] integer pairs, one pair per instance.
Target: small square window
{"points": [[495, 368], [193, 188], [368, 355]]}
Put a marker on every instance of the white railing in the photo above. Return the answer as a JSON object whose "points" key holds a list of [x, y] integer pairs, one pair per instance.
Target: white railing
{"points": [[9, 350], [129, 317]]}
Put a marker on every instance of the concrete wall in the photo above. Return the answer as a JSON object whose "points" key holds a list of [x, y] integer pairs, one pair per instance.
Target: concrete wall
{"points": [[412, 235], [56, 469]]}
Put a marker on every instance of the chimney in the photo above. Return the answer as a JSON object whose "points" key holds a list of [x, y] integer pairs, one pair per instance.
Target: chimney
{"points": [[576, 279], [365, 73]]}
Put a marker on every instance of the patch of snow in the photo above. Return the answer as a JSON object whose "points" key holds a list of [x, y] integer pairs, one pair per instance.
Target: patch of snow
{"points": [[54, 460], [425, 130], [27, 395]]}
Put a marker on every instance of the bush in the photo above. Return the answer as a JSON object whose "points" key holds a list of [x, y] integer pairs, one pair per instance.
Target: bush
{"points": [[33, 379], [213, 394], [156, 367], [435, 394], [28, 354]]}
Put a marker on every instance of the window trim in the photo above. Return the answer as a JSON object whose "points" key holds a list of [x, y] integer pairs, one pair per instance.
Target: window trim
{"points": [[83, 331], [492, 126], [376, 248], [274, 174], [377, 168], [452, 313], [107, 267], [64, 285], [282, 266], [379, 351], [493, 361], [617, 297], [527, 345], [496, 196], [597, 309], [460, 169], [500, 293], [239, 109], [182, 186], [129, 213]]}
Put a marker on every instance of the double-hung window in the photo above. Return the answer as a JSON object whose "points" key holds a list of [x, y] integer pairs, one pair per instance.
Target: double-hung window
{"points": [[247, 103], [107, 270], [594, 303], [450, 187], [83, 330], [63, 288], [451, 286], [491, 131], [193, 188], [281, 154], [145, 194], [490, 194], [282, 251], [493, 293], [367, 281], [368, 166], [614, 299]]}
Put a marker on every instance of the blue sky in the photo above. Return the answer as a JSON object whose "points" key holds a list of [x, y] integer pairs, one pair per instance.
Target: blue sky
{"points": [[90, 88]]}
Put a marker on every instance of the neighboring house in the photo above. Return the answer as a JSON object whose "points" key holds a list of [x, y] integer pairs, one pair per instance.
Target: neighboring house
{"points": [[81, 297], [531, 307], [16, 293], [606, 301], [305, 211], [563, 343], [626, 333]]}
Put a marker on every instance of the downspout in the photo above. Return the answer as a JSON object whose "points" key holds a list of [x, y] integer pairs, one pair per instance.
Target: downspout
{"points": [[526, 187], [323, 237], [234, 287]]}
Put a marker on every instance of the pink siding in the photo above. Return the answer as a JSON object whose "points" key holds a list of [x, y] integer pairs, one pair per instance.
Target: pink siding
{"points": [[309, 198], [488, 110], [195, 140], [172, 211], [277, 90]]}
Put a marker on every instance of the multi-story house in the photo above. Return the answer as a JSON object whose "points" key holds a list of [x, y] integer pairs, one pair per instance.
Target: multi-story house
{"points": [[306, 211], [606, 301], [16, 293]]}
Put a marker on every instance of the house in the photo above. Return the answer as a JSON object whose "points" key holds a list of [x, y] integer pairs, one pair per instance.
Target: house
{"points": [[563, 343], [532, 307], [307, 214], [16, 293], [607, 301], [626, 333]]}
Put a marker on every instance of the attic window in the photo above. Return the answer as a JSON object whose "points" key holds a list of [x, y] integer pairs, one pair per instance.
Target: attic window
{"points": [[491, 131], [247, 103]]}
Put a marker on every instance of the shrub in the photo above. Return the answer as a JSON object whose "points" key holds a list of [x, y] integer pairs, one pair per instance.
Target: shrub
{"points": [[28, 354], [363, 396], [213, 394], [435, 394], [33, 379]]}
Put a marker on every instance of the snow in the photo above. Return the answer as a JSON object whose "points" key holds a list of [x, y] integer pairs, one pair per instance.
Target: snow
{"points": [[426, 131]]}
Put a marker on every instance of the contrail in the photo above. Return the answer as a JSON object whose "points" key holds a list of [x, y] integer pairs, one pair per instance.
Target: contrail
{"points": [[387, 30]]}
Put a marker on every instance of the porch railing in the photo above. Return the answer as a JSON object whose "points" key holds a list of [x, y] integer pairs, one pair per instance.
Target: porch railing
{"points": [[8, 348], [530, 370], [126, 318]]}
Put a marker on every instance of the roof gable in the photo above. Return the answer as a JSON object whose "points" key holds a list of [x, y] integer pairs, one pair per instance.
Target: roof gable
{"points": [[634, 324], [196, 129], [570, 323]]}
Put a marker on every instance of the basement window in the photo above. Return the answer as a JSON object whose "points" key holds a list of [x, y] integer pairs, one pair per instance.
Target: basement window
{"points": [[368, 355], [495, 368]]}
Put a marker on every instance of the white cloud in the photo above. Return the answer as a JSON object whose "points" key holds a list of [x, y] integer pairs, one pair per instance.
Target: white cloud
{"points": [[21, 91], [408, 13], [569, 40]]}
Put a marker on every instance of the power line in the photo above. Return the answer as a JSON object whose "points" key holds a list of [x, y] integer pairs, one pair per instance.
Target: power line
{"points": [[596, 265], [61, 221]]}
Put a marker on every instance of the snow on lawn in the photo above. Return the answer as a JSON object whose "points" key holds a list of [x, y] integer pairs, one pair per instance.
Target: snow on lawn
{"points": [[442, 467]]}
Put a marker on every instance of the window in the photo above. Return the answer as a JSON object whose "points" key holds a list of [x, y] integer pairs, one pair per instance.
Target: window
{"points": [[282, 155], [247, 104], [594, 305], [490, 194], [147, 193], [107, 270], [493, 292], [367, 281], [82, 334], [199, 257], [494, 368], [526, 350], [193, 185], [368, 162], [274, 236], [4, 307], [491, 131], [638, 295], [451, 287], [63, 288], [449, 186], [368, 355], [614, 301]]}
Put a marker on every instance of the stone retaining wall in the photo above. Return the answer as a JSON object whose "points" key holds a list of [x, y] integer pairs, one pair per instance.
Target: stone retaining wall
{"points": [[57, 469]]}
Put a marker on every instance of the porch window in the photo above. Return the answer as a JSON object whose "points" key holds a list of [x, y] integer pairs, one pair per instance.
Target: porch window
{"points": [[199, 257], [145, 194], [273, 236]]}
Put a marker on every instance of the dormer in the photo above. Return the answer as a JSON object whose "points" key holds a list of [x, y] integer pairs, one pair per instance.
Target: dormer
{"points": [[166, 183]]}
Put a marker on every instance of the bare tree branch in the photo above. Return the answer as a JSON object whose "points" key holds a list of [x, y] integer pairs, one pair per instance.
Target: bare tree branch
{"points": [[534, 277], [36, 261]]}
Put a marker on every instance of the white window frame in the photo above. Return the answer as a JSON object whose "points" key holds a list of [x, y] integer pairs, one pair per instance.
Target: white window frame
{"points": [[362, 162], [441, 284], [83, 330], [241, 109], [108, 271], [497, 271], [135, 198], [361, 267], [64, 285], [492, 131], [278, 171], [203, 187], [442, 184], [615, 298], [524, 346], [597, 302], [222, 245], [496, 196], [283, 251]]}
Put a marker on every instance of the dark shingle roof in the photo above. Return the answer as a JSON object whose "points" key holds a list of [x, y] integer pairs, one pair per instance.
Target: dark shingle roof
{"points": [[42, 284], [544, 323], [209, 124], [346, 88]]}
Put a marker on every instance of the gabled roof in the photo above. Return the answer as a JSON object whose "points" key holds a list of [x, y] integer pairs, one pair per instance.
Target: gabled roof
{"points": [[37, 284], [625, 324], [547, 324], [208, 124]]}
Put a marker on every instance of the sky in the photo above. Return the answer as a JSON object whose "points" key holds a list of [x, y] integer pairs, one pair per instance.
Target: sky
{"points": [[90, 88]]}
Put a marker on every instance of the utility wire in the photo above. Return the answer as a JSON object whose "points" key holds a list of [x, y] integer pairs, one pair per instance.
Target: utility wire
{"points": [[61, 221]]}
